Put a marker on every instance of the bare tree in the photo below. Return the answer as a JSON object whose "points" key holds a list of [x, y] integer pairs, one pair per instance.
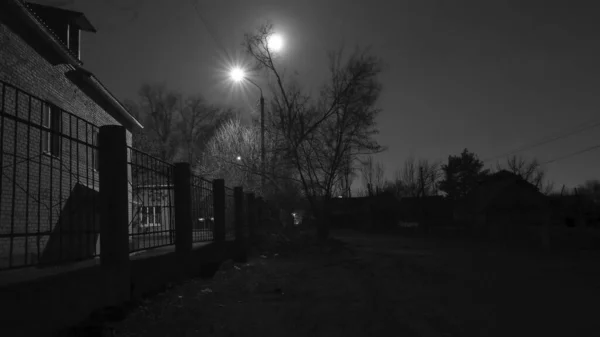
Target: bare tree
{"points": [[410, 178], [142, 138], [416, 179], [199, 121], [233, 153], [160, 107], [590, 189], [429, 176], [531, 172], [368, 175], [319, 134], [373, 176]]}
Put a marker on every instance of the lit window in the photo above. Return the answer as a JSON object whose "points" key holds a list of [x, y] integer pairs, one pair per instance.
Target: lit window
{"points": [[151, 216]]}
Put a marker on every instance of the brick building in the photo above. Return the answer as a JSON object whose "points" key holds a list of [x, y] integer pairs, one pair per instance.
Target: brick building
{"points": [[51, 109]]}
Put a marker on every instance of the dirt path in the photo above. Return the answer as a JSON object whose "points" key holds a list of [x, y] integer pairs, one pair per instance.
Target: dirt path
{"points": [[378, 287]]}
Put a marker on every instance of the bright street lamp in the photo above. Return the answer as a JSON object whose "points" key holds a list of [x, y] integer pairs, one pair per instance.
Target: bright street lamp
{"points": [[237, 74]]}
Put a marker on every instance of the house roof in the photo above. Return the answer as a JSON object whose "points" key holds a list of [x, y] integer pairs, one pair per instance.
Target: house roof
{"points": [[490, 188], [360, 204], [29, 14], [74, 18]]}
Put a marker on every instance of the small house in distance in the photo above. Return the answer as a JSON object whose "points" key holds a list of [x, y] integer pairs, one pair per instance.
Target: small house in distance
{"points": [[505, 206], [377, 212]]}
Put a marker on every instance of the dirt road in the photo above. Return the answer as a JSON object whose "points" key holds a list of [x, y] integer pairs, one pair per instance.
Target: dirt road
{"points": [[380, 286]]}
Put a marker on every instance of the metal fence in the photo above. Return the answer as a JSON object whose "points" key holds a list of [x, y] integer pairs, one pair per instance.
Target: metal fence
{"points": [[203, 221], [229, 214], [152, 202], [49, 205]]}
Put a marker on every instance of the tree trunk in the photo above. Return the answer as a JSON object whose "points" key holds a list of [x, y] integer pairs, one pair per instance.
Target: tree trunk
{"points": [[321, 211]]}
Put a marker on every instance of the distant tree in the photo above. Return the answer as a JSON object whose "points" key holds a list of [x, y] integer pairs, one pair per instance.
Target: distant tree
{"points": [[159, 115], [175, 128], [415, 179], [198, 122], [530, 171], [143, 139], [590, 189], [373, 176], [233, 154], [461, 174]]}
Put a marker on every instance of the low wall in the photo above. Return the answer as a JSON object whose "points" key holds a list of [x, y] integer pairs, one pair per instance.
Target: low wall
{"points": [[150, 272], [35, 307], [38, 302]]}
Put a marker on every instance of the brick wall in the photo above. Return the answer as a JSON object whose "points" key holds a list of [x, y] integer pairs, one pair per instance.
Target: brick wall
{"points": [[38, 189]]}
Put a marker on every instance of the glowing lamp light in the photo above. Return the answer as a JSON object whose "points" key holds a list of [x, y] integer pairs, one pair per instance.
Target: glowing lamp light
{"points": [[275, 42], [237, 74]]}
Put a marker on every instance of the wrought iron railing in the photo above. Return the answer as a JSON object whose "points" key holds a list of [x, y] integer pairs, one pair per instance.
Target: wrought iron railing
{"points": [[203, 220], [152, 202]]}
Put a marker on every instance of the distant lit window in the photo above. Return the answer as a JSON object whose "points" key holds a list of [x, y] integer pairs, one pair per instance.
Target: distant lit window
{"points": [[151, 216]]}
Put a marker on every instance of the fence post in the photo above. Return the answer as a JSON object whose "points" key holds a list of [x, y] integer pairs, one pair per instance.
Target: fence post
{"points": [[240, 235], [251, 218], [260, 210], [183, 208], [114, 212], [219, 209]]}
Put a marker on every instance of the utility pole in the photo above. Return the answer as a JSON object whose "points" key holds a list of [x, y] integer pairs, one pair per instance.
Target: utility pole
{"points": [[262, 144]]}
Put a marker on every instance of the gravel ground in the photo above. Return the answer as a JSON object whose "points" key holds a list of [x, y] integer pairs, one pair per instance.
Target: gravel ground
{"points": [[381, 286]]}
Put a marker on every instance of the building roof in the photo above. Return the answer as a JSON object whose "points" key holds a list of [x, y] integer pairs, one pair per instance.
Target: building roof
{"points": [[30, 15], [77, 19], [487, 193]]}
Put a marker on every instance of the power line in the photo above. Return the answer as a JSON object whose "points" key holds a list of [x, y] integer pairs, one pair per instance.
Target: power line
{"points": [[546, 141], [207, 27], [572, 154]]}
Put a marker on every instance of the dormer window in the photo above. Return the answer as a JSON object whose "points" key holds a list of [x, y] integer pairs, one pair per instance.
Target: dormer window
{"points": [[65, 24], [73, 40]]}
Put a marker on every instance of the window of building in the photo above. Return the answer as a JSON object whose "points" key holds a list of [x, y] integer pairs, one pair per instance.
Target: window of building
{"points": [[151, 216], [51, 129], [95, 151]]}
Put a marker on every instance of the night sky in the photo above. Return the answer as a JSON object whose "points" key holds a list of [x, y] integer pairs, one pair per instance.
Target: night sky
{"points": [[491, 76]]}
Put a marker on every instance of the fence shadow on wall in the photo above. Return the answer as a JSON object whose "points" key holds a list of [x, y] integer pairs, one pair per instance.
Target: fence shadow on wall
{"points": [[49, 183]]}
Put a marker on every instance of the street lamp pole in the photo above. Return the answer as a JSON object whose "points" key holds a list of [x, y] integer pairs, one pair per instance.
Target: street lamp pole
{"points": [[262, 136]]}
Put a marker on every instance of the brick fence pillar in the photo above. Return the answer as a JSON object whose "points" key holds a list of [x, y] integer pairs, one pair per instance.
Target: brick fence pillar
{"points": [[114, 212], [252, 215], [183, 208], [219, 209], [240, 222]]}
